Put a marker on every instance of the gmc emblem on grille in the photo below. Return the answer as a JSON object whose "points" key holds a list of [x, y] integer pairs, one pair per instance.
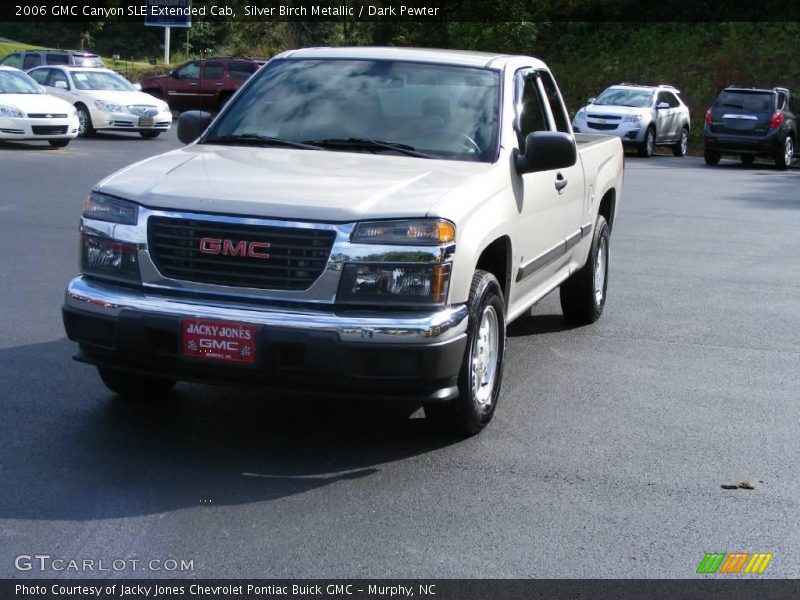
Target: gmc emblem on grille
{"points": [[231, 248]]}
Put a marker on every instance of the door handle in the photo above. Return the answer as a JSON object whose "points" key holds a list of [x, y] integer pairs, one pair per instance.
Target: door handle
{"points": [[219, 83], [561, 183], [192, 83]]}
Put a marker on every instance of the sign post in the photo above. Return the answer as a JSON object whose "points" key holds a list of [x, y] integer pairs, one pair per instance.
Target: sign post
{"points": [[168, 14]]}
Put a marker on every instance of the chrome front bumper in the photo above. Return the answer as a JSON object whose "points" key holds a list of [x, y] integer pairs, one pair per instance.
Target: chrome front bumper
{"points": [[352, 326]]}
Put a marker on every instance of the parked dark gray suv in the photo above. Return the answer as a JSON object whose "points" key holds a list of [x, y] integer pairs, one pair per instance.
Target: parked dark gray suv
{"points": [[751, 122]]}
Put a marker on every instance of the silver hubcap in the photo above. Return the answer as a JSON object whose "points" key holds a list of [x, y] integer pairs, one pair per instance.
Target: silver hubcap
{"points": [[484, 358], [600, 268], [651, 142], [788, 152], [684, 142], [81, 122]]}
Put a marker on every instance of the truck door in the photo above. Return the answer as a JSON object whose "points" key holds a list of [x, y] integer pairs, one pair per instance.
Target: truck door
{"points": [[184, 87], [666, 117], [211, 83], [544, 196]]}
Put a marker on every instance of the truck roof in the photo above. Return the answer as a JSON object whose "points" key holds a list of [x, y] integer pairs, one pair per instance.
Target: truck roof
{"points": [[426, 55]]}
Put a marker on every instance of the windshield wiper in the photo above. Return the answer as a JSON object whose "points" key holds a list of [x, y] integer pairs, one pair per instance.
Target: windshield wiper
{"points": [[242, 139], [739, 106], [368, 144]]}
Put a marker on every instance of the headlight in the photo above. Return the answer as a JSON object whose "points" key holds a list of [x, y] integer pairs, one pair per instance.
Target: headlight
{"points": [[581, 113], [109, 258], [417, 232], [109, 106], [390, 284], [10, 111], [113, 210], [632, 119]]}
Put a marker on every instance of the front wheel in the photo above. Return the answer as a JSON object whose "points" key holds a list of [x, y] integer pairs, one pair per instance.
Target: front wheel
{"points": [[583, 295], [648, 144], [85, 128], [785, 156], [59, 143], [682, 147], [482, 366], [149, 135], [747, 159], [133, 385], [711, 157]]}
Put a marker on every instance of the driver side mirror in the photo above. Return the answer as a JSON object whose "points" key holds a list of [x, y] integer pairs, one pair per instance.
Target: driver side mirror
{"points": [[591, 100], [662, 105], [192, 124], [545, 151], [62, 85], [174, 74]]}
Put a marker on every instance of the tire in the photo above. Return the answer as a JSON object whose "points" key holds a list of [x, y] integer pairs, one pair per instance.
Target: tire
{"points": [[711, 157], [583, 295], [149, 135], [785, 157], [133, 385], [85, 128], [486, 341], [59, 143], [648, 145], [747, 159], [682, 147]]}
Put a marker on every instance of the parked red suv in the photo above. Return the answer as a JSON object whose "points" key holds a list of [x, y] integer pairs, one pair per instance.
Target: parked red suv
{"points": [[202, 84]]}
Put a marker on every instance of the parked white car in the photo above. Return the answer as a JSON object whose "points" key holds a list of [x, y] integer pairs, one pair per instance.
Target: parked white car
{"points": [[642, 116], [105, 100], [28, 113]]}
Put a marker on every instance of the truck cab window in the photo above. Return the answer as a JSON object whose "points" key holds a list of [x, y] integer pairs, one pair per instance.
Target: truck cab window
{"points": [[556, 103], [531, 115]]}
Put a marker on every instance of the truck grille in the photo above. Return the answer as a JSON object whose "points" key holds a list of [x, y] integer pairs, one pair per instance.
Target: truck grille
{"points": [[297, 256], [602, 126]]}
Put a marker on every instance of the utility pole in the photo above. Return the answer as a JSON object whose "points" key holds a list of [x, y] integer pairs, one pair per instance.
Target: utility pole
{"points": [[166, 44]]}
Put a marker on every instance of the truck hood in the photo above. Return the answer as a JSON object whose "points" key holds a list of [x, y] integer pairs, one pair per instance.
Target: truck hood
{"points": [[291, 184]]}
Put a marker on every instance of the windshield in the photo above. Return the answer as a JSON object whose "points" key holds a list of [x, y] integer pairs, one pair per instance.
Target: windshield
{"points": [[100, 80], [623, 97], [751, 101], [17, 83], [441, 111]]}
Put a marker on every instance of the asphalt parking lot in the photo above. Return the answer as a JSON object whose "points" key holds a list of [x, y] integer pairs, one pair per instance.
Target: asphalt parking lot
{"points": [[605, 458]]}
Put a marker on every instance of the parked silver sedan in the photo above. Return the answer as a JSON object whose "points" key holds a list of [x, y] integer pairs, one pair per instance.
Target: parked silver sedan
{"points": [[642, 116]]}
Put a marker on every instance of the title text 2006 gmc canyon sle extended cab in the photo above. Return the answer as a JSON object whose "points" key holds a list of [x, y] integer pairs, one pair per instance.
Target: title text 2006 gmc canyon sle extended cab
{"points": [[357, 221]]}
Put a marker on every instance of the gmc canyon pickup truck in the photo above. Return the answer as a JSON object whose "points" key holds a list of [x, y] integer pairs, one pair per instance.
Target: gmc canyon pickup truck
{"points": [[356, 221]]}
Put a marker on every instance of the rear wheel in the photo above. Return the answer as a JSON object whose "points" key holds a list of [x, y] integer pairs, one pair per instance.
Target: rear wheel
{"points": [[785, 156], [133, 385], [682, 147], [583, 295], [149, 135], [747, 159], [59, 143], [648, 144], [482, 366], [85, 128], [711, 157]]}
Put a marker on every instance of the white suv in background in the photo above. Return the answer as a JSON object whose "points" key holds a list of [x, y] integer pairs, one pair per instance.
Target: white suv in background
{"points": [[643, 116]]}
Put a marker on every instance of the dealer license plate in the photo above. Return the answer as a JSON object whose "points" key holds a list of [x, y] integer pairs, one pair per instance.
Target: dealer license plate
{"points": [[223, 341], [146, 121]]}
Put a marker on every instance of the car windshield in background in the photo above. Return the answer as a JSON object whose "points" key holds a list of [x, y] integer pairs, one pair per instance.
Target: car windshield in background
{"points": [[368, 106], [97, 80], [746, 100], [17, 83], [619, 97]]}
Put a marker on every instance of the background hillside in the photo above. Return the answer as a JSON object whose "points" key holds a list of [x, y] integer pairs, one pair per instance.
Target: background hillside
{"points": [[698, 58]]}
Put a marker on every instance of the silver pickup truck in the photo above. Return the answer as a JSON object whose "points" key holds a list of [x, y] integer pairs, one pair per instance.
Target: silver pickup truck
{"points": [[356, 221]]}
